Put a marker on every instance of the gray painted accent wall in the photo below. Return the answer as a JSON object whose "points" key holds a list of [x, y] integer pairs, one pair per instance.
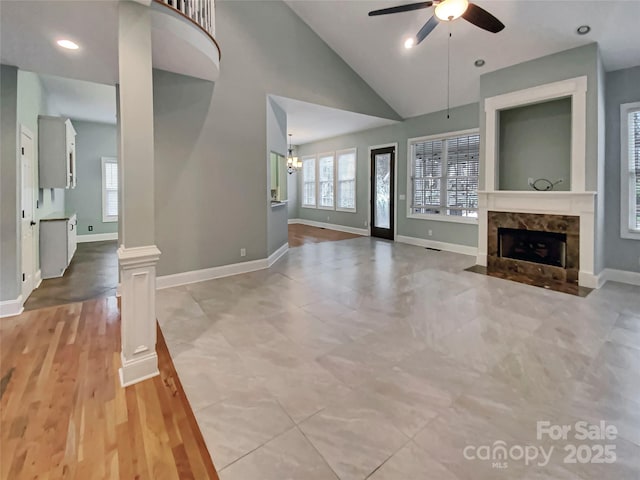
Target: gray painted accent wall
{"points": [[93, 141], [277, 225], [462, 118], [210, 142], [622, 86], [535, 142], [9, 186]]}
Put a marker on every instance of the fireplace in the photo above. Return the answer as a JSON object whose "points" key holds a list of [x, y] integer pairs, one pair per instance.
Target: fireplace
{"points": [[547, 248], [538, 249]]}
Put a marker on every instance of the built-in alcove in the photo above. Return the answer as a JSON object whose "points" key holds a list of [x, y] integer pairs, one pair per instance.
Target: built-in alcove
{"points": [[535, 143]]}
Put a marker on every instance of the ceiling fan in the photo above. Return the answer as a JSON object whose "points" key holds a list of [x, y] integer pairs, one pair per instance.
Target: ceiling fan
{"points": [[446, 11]]}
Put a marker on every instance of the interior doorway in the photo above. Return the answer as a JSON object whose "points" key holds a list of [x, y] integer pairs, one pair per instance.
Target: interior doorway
{"points": [[27, 221], [382, 188]]}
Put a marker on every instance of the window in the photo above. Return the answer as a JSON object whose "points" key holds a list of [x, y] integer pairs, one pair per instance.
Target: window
{"points": [[109, 189], [325, 180], [346, 180], [444, 177], [309, 181], [630, 170]]}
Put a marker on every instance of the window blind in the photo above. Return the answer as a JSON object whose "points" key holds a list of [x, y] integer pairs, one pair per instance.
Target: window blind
{"points": [[634, 169], [309, 181], [325, 180], [346, 180], [110, 179], [445, 176]]}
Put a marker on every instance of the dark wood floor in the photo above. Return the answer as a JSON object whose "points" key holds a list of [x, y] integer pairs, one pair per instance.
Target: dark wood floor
{"points": [[303, 234], [63, 414], [93, 273]]}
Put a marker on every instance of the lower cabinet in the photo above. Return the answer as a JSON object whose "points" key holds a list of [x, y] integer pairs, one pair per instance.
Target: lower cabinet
{"points": [[58, 241]]}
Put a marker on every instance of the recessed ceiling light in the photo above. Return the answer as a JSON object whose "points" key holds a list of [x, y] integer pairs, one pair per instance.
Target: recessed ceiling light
{"points": [[68, 44], [583, 29], [479, 63], [409, 42]]}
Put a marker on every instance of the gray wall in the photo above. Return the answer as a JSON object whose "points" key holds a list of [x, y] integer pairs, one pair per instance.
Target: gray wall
{"points": [[622, 86], [292, 191], [462, 118], [9, 186], [277, 229], [93, 141], [535, 142], [210, 166]]}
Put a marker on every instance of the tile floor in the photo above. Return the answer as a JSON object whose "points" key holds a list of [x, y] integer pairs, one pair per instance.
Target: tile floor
{"points": [[366, 359]]}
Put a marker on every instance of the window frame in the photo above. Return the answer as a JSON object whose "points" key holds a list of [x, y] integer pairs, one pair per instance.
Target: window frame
{"points": [[353, 150], [443, 216], [104, 161], [333, 180], [627, 199], [315, 182]]}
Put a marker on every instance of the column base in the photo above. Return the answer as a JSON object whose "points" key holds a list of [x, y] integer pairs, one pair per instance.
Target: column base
{"points": [[139, 369]]}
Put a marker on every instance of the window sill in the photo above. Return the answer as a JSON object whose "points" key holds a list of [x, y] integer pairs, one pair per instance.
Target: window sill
{"points": [[109, 219], [346, 210], [630, 234], [445, 218], [279, 203]]}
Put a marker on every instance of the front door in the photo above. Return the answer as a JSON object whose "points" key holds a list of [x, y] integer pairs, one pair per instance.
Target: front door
{"points": [[382, 192], [27, 215]]}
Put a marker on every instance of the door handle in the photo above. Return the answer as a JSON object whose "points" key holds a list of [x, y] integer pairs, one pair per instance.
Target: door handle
{"points": [[32, 223]]}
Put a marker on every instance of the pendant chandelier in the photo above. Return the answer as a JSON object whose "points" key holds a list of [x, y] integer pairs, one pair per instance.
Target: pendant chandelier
{"points": [[293, 163]]}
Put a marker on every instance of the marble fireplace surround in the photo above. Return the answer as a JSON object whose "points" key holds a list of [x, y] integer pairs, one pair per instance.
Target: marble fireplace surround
{"points": [[527, 271], [571, 204]]}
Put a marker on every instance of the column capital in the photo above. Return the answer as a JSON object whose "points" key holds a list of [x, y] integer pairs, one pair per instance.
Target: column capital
{"points": [[135, 257]]}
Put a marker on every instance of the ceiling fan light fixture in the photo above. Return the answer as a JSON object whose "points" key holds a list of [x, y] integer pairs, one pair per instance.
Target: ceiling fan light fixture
{"points": [[583, 29], [448, 10], [68, 44], [409, 42]]}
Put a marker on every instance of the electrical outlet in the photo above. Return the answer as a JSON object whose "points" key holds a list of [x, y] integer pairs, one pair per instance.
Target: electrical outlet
{"points": [[243, 252], [90, 227], [430, 233], [366, 224], [530, 181], [328, 217], [402, 197]]}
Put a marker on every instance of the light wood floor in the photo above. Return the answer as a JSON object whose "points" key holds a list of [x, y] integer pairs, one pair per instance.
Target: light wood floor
{"points": [[303, 234], [65, 416]]}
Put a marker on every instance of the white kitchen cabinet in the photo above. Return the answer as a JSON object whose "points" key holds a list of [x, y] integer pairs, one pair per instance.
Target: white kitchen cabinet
{"points": [[58, 243], [56, 152]]}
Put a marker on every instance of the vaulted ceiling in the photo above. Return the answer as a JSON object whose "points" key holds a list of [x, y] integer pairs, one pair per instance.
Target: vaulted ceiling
{"points": [[414, 81]]}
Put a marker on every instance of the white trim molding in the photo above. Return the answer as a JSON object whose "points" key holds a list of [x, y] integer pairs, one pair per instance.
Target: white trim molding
{"points": [[448, 247], [553, 203], [195, 276], [275, 256], [97, 237], [329, 226], [622, 276], [37, 279], [10, 308], [576, 88], [138, 313]]}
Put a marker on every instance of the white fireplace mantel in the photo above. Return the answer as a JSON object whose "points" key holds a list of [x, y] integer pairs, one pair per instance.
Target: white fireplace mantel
{"points": [[580, 204]]}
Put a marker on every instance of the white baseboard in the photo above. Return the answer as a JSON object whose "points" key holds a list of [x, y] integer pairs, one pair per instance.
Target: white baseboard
{"points": [[622, 276], [97, 237], [448, 247], [9, 308], [330, 226], [194, 276], [139, 369], [37, 279], [275, 256]]}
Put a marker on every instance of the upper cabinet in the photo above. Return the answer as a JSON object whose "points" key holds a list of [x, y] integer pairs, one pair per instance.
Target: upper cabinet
{"points": [[56, 152]]}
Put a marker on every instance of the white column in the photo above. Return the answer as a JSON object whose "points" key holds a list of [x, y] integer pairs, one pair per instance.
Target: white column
{"points": [[137, 254]]}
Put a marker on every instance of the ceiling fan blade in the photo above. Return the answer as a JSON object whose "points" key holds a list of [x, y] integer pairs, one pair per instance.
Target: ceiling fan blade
{"points": [[400, 8], [427, 28], [483, 19]]}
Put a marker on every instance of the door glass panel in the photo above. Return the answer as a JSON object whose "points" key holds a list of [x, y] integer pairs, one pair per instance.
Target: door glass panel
{"points": [[383, 188]]}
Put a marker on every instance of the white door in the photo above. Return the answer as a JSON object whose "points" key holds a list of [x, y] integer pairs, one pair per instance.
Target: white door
{"points": [[28, 223]]}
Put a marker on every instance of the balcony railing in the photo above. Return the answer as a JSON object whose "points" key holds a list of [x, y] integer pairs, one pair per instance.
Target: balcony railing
{"points": [[201, 12]]}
